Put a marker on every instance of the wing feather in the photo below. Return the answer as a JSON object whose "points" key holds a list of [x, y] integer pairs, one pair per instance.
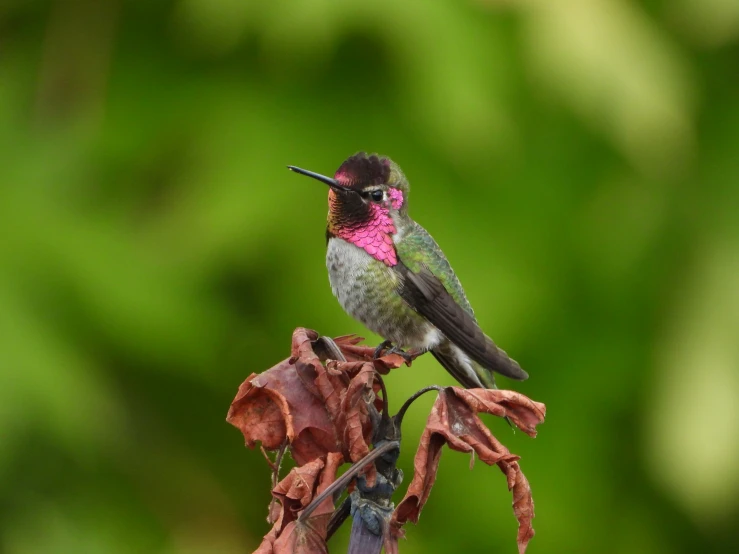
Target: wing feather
{"points": [[426, 294]]}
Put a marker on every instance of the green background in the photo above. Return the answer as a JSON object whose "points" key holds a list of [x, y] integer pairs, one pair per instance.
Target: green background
{"points": [[577, 160]]}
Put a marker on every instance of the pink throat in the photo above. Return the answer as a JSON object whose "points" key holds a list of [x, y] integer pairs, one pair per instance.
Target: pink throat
{"points": [[374, 235]]}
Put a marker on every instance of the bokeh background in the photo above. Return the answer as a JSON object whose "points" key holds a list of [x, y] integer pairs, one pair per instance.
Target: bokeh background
{"points": [[578, 161]]}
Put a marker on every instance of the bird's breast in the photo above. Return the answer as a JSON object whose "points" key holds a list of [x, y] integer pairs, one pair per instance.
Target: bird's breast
{"points": [[367, 290], [355, 276]]}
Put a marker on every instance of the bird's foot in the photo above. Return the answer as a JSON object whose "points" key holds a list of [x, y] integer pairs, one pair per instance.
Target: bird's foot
{"points": [[407, 355], [383, 345], [386, 348]]}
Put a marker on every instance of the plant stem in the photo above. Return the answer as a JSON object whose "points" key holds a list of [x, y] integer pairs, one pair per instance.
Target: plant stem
{"points": [[407, 404]]}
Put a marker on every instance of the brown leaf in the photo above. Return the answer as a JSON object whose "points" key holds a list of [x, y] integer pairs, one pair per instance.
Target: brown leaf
{"points": [[289, 535], [521, 410], [268, 542], [318, 408], [454, 421], [328, 476], [302, 343], [277, 405], [297, 489], [357, 425], [322, 411], [300, 538], [261, 415], [349, 345]]}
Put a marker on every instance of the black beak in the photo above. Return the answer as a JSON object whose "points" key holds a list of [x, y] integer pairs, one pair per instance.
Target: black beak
{"points": [[333, 183]]}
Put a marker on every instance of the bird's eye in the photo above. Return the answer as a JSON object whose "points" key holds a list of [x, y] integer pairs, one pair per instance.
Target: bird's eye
{"points": [[376, 195]]}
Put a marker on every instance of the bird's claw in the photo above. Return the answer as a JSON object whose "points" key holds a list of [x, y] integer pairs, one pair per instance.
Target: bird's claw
{"points": [[407, 356], [387, 348], [383, 345]]}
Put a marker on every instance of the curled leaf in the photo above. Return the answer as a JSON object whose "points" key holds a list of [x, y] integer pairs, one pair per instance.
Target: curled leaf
{"points": [[276, 405], [354, 352], [453, 421], [289, 535], [324, 410], [357, 424], [317, 407], [261, 415], [522, 411], [297, 489]]}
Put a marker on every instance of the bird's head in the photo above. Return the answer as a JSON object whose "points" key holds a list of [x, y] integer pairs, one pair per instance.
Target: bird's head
{"points": [[368, 202]]}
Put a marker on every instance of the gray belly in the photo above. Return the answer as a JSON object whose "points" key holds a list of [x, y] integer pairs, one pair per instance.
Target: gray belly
{"points": [[365, 288]]}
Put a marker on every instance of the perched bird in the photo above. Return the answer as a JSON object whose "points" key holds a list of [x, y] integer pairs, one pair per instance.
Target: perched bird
{"points": [[387, 272]]}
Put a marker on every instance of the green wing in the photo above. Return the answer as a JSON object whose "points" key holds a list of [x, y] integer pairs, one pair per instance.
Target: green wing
{"points": [[418, 249], [429, 286]]}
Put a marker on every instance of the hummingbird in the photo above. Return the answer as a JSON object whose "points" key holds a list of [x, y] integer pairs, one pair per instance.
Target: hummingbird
{"points": [[388, 272]]}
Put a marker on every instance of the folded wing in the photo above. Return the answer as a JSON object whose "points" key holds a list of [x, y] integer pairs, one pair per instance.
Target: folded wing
{"points": [[426, 294]]}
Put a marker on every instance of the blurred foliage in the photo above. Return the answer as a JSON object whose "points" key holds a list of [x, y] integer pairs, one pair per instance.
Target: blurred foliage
{"points": [[577, 160]]}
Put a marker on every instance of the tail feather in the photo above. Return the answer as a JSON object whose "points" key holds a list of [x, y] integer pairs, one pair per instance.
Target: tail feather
{"points": [[470, 374], [501, 362]]}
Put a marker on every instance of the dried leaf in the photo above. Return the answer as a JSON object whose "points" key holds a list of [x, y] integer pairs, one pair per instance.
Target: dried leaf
{"points": [[277, 405], [300, 538], [328, 476], [323, 411], [261, 415], [357, 424], [302, 346], [297, 489], [289, 535], [521, 410], [304, 401], [454, 421], [268, 542], [349, 345]]}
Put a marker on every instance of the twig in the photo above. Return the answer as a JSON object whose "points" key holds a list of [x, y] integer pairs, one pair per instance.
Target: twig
{"points": [[399, 416], [385, 409], [275, 472], [343, 481], [270, 463]]}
